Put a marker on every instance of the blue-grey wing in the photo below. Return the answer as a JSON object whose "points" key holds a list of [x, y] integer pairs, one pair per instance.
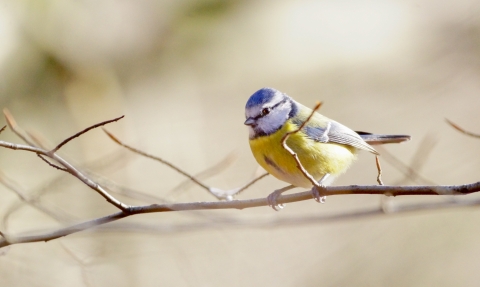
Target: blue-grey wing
{"points": [[337, 133]]}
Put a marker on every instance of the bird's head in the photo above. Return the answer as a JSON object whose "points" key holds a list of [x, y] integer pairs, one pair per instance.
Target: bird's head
{"points": [[267, 110]]}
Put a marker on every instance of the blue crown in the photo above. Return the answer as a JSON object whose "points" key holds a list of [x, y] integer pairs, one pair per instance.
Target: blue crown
{"points": [[261, 97]]}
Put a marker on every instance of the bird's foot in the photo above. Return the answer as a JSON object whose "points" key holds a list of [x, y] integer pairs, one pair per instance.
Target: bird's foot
{"points": [[272, 200], [318, 193]]}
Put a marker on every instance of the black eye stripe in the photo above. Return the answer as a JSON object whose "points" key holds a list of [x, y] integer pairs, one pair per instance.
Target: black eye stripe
{"points": [[270, 108]]}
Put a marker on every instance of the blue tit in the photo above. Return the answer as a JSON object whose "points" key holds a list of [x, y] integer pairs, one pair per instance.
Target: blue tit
{"points": [[324, 147]]}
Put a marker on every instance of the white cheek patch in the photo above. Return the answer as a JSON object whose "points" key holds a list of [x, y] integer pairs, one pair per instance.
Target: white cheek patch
{"points": [[275, 120]]}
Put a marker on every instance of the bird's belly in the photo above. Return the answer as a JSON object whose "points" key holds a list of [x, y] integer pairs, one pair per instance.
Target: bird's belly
{"points": [[317, 158]]}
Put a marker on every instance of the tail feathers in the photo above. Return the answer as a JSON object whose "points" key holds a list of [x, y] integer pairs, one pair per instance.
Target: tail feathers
{"points": [[374, 139]]}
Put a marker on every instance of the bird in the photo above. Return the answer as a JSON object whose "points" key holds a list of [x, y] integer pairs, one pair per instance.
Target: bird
{"points": [[324, 147]]}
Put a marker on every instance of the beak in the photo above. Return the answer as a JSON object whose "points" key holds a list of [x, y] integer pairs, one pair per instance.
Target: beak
{"points": [[249, 122]]}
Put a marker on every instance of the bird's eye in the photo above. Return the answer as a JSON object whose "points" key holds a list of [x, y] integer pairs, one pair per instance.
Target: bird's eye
{"points": [[265, 111]]}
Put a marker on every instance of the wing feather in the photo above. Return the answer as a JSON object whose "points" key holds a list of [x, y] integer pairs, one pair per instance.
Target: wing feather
{"points": [[338, 133]]}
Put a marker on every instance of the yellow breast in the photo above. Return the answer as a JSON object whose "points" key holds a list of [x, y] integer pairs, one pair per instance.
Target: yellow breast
{"points": [[317, 158]]}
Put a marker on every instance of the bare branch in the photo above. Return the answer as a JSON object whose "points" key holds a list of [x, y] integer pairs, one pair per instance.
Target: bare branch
{"points": [[8, 240], [242, 204], [127, 211], [12, 124], [70, 169], [271, 222], [82, 132], [149, 198], [51, 164]]}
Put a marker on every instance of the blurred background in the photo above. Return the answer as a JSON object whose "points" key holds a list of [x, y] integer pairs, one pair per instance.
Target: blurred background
{"points": [[181, 72]]}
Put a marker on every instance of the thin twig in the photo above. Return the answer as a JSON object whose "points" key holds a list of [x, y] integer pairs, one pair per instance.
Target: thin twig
{"points": [[172, 166], [252, 182], [458, 128], [229, 194], [69, 167], [12, 124], [408, 171], [82, 132], [218, 193], [51, 164], [379, 168], [242, 204], [293, 154], [210, 171]]}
